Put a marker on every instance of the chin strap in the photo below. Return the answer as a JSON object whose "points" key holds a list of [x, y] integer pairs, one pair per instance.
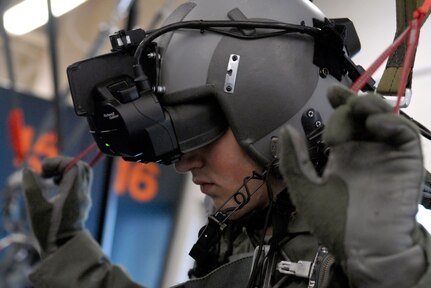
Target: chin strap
{"points": [[204, 250]]}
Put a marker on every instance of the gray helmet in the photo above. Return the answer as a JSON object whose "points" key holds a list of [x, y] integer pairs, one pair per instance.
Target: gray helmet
{"points": [[251, 65], [261, 84]]}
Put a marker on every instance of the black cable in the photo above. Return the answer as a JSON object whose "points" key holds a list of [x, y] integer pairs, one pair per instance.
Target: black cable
{"points": [[141, 79], [420, 125], [252, 280], [426, 134], [422, 129], [205, 25], [253, 275], [246, 37]]}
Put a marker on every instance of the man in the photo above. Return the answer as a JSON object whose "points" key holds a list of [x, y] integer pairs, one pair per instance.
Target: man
{"points": [[281, 220]]}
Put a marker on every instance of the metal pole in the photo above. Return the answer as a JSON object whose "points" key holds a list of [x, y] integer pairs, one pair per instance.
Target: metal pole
{"points": [[58, 107]]}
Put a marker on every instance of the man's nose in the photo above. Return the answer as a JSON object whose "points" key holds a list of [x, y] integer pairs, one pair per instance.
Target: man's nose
{"points": [[189, 161]]}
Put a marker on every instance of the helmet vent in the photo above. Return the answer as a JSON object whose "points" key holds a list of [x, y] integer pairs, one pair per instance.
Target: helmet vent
{"points": [[232, 69]]}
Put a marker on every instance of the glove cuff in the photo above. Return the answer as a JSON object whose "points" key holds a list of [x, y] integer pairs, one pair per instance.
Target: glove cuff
{"points": [[401, 270]]}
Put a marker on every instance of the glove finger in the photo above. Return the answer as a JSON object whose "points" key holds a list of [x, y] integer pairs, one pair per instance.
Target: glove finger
{"points": [[295, 164], [347, 123], [32, 191], [79, 174], [39, 209], [55, 166], [340, 127], [392, 129], [75, 190], [339, 95]]}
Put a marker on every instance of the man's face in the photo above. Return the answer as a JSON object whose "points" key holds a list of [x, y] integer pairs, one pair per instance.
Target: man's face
{"points": [[219, 169]]}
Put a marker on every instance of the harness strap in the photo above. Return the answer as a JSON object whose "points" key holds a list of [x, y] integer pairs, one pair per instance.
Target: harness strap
{"points": [[389, 82], [232, 274]]}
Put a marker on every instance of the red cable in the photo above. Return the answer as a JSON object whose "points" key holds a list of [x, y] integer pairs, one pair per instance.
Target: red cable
{"points": [[363, 79], [96, 158], [81, 155], [411, 33], [424, 9], [412, 43], [418, 20]]}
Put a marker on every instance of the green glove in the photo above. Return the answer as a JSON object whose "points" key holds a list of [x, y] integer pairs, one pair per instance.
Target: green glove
{"points": [[57, 219], [363, 207]]}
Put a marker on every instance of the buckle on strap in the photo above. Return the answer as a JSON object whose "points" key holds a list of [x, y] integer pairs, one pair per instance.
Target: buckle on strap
{"points": [[299, 269], [315, 271], [405, 100]]}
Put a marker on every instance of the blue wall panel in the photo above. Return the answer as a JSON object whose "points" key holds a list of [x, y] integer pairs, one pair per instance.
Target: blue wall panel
{"points": [[142, 202]]}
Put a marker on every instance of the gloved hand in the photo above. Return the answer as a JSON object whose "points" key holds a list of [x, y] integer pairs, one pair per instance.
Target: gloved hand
{"points": [[57, 219], [363, 206]]}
